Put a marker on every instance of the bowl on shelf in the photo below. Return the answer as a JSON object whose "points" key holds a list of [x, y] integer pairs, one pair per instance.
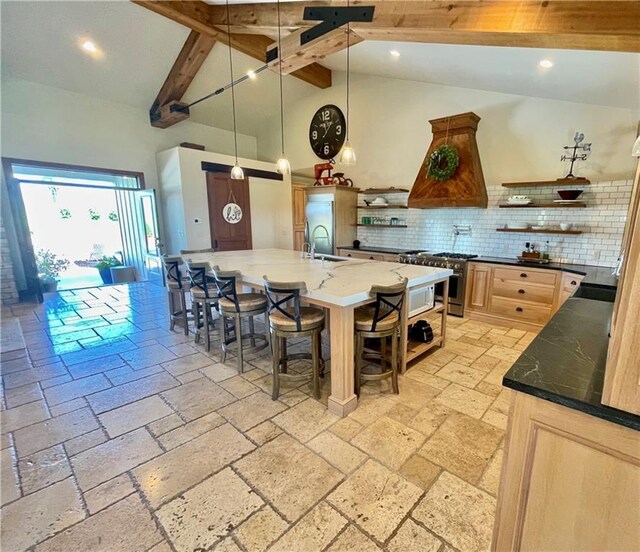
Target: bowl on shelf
{"points": [[569, 195], [564, 226], [379, 201]]}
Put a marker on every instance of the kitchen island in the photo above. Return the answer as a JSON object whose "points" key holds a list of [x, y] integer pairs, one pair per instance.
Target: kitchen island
{"points": [[339, 286]]}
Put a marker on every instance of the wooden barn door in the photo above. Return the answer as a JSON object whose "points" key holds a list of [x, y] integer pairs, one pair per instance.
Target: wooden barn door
{"points": [[222, 190]]}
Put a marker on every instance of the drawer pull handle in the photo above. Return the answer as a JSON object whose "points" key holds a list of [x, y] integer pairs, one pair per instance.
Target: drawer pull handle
{"points": [[371, 258], [523, 275], [521, 291], [519, 309], [573, 282]]}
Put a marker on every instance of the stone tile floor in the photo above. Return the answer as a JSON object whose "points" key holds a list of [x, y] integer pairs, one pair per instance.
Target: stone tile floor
{"points": [[119, 435]]}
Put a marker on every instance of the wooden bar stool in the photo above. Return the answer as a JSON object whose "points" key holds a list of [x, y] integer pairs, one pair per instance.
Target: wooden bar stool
{"points": [[204, 300], [380, 320], [177, 289], [291, 322], [236, 306]]}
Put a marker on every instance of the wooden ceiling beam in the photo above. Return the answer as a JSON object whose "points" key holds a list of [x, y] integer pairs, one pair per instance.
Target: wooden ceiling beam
{"points": [[195, 50], [294, 57], [592, 25], [196, 15]]}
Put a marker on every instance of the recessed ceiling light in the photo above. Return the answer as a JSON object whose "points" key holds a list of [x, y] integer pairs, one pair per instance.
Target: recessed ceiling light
{"points": [[89, 47], [395, 53], [546, 63], [251, 75]]}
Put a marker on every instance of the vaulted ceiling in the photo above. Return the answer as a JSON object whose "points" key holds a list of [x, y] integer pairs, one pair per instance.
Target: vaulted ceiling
{"points": [[40, 43]]}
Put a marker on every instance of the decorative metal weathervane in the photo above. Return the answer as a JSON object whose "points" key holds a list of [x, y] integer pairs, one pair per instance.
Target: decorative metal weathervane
{"points": [[585, 148]]}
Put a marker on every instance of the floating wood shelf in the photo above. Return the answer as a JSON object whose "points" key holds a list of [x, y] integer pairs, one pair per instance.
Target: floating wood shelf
{"points": [[546, 205], [382, 207], [540, 183], [532, 231], [383, 225], [384, 191]]}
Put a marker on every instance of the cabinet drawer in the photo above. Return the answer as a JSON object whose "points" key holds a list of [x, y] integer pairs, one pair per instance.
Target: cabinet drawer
{"points": [[571, 282], [520, 310], [546, 277], [524, 291], [363, 255]]}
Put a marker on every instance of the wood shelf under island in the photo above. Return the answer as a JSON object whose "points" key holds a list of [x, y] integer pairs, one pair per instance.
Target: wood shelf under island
{"points": [[545, 231]]}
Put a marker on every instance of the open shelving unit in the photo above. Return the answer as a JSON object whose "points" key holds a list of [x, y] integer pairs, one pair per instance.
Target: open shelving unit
{"points": [[545, 231], [545, 205], [387, 206], [369, 191], [540, 183], [382, 225], [416, 348]]}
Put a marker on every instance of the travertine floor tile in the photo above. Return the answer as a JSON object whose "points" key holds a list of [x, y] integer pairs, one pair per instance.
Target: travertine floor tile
{"points": [[420, 471], [251, 411], [21, 416], [175, 471], [313, 532], [305, 420], [54, 431], [37, 373], [503, 353], [496, 419], [191, 430], [463, 375], [421, 375], [63, 408], [147, 356], [186, 364], [84, 442], [223, 501], [40, 515], [77, 388], [261, 529], [9, 484], [238, 387], [126, 525], [220, 372], [464, 400], [263, 433], [346, 428], [353, 540], [370, 408], [43, 468], [490, 479], [458, 512], [430, 418], [468, 350], [22, 395], [463, 446], [109, 492], [376, 499], [413, 538], [164, 425], [116, 456], [389, 442], [337, 452], [132, 416], [198, 398], [90, 367], [291, 476]]}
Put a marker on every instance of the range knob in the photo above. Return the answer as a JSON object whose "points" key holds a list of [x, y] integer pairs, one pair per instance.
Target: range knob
{"points": [[455, 266]]}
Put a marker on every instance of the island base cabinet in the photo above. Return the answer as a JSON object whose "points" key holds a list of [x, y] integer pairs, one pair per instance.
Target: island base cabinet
{"points": [[570, 481]]}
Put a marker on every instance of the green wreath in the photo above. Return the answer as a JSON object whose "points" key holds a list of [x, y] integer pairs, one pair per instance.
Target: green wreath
{"points": [[443, 163]]}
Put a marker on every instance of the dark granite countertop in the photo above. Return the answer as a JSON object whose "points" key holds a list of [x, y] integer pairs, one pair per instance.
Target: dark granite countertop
{"points": [[565, 364], [594, 276], [374, 249]]}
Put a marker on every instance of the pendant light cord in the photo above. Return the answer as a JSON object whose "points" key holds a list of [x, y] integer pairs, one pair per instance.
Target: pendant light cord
{"points": [[233, 94], [348, 71], [280, 74]]}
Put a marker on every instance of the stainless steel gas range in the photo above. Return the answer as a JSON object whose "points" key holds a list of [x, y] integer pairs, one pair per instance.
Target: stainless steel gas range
{"points": [[458, 262]]}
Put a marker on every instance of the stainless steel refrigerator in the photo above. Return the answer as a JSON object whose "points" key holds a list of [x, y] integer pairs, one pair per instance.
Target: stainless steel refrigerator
{"points": [[320, 222]]}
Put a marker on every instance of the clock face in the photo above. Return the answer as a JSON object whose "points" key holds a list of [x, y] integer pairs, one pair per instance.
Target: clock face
{"points": [[327, 132]]}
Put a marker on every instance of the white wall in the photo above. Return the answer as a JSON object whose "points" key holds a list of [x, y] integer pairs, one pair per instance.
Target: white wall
{"points": [[519, 138], [271, 209], [43, 123]]}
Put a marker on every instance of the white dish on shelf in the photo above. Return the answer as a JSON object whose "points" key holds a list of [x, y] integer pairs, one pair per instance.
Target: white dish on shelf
{"points": [[379, 201], [518, 226], [538, 228], [519, 201]]}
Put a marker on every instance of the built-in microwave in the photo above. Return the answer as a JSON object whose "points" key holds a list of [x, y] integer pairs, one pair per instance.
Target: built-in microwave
{"points": [[421, 299]]}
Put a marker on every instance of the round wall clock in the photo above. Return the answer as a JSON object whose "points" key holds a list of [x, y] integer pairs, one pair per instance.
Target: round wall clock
{"points": [[327, 132]]}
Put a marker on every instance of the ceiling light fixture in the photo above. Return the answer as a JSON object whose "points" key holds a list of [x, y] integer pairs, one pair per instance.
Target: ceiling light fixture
{"points": [[546, 63], [282, 165], [347, 154], [395, 53], [251, 74], [236, 172], [90, 47]]}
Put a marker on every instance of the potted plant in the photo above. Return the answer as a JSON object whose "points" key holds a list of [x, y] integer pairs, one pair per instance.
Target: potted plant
{"points": [[104, 268], [49, 269]]}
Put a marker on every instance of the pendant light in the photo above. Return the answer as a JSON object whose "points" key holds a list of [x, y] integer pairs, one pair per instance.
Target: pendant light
{"points": [[282, 165], [347, 154], [236, 172]]}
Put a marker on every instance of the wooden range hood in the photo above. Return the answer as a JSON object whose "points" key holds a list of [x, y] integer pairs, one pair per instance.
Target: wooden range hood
{"points": [[466, 187]]}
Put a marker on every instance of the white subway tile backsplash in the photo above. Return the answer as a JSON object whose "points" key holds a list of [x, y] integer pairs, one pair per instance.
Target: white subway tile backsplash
{"points": [[602, 222]]}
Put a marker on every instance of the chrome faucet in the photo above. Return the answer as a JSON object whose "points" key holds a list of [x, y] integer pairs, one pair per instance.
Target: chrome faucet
{"points": [[306, 250]]}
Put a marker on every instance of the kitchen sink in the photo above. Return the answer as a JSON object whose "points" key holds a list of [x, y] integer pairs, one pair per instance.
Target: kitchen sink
{"points": [[599, 294]]}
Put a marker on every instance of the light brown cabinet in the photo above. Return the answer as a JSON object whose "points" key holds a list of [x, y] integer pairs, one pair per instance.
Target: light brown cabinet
{"points": [[299, 199], [367, 255], [521, 296], [569, 481]]}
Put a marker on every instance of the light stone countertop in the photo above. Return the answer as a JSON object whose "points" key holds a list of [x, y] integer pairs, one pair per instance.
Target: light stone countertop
{"points": [[341, 283]]}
